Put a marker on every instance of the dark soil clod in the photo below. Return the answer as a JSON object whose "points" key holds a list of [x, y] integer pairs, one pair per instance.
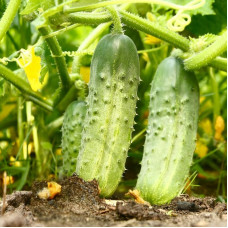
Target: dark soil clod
{"points": [[139, 211], [184, 205]]}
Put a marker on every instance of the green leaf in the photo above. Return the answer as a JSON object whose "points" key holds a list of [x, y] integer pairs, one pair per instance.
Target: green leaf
{"points": [[210, 23], [33, 5]]}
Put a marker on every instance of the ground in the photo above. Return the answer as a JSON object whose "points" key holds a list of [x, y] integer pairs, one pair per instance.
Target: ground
{"points": [[79, 204]]}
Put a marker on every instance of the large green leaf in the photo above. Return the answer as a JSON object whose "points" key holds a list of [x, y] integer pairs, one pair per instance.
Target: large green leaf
{"points": [[201, 25]]}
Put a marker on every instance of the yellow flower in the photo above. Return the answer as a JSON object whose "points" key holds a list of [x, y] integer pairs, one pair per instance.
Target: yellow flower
{"points": [[206, 125], [32, 67], [145, 57], [201, 149], [8, 180], [58, 151], [151, 40], [219, 128], [85, 72], [13, 162]]}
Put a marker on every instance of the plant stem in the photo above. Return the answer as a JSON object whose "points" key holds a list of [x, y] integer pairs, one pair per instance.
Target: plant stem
{"points": [[216, 98], [54, 126], [137, 23], [86, 43], [154, 29], [116, 20], [20, 121], [24, 87], [8, 17], [146, 26], [81, 18], [219, 63], [204, 57], [58, 57]]}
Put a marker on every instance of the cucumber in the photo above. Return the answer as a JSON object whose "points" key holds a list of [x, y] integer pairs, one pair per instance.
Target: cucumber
{"points": [[110, 115], [171, 134], [71, 136]]}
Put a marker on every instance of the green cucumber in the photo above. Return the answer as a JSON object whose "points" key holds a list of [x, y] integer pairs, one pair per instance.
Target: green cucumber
{"points": [[71, 136], [171, 134], [109, 120]]}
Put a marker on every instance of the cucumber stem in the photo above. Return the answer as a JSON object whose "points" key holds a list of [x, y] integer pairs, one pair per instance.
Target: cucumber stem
{"points": [[116, 20]]}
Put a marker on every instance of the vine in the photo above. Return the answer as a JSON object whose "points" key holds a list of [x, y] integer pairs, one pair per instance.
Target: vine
{"points": [[8, 17]]}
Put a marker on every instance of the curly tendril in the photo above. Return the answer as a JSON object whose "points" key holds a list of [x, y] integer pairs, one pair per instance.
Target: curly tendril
{"points": [[181, 19]]}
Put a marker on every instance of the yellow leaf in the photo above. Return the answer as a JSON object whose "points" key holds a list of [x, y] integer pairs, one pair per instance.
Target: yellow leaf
{"points": [[201, 149], [85, 72], [219, 128], [32, 67]]}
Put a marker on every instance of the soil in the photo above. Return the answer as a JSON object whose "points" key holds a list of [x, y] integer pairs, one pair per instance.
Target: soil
{"points": [[79, 204]]}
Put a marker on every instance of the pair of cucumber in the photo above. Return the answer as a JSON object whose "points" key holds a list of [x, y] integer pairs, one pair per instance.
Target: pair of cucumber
{"points": [[109, 120]]}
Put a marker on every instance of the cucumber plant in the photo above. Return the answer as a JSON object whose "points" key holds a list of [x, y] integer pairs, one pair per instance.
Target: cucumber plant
{"points": [[171, 134], [110, 114], [71, 136]]}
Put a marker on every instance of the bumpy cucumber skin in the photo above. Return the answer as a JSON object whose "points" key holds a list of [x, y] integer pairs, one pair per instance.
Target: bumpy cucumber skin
{"points": [[171, 134], [106, 137], [71, 136]]}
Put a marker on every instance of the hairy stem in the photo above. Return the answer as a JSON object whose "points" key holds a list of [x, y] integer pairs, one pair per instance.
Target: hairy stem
{"points": [[154, 29], [138, 23], [219, 63], [58, 57], [204, 57], [8, 17], [24, 87], [116, 20]]}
